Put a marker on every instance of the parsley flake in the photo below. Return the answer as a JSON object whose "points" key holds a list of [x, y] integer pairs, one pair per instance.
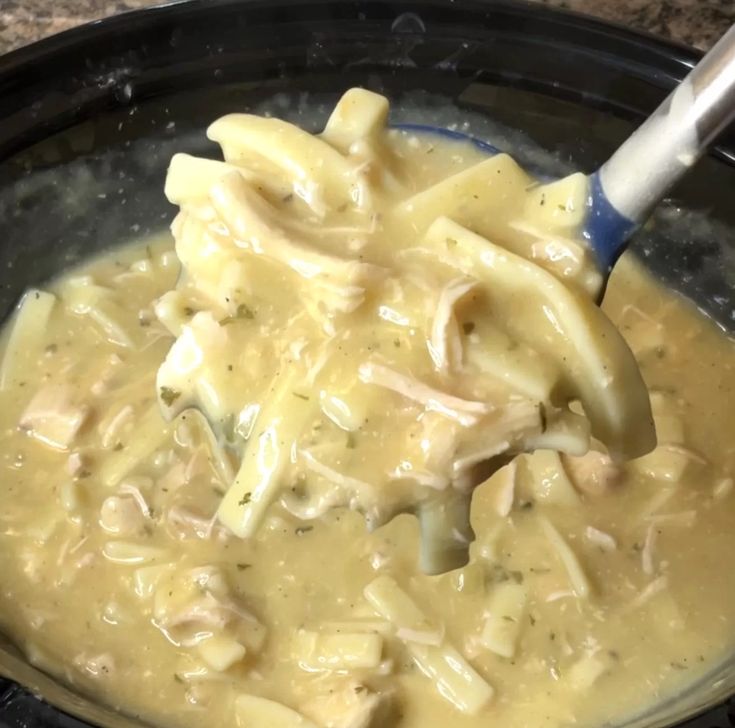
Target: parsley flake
{"points": [[169, 395]]}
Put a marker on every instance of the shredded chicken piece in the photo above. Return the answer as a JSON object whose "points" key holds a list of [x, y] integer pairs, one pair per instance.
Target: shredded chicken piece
{"points": [[445, 344], [647, 552], [67, 549], [464, 411], [555, 596], [602, 539], [651, 590], [53, 418], [75, 464], [254, 223]]}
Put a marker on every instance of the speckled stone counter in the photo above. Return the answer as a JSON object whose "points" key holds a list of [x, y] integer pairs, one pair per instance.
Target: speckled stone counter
{"points": [[694, 22]]}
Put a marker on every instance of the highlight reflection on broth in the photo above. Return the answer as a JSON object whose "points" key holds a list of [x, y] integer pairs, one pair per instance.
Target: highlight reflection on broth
{"points": [[357, 449]]}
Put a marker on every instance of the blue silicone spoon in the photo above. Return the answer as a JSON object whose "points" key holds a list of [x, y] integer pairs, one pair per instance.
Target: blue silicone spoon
{"points": [[625, 189]]}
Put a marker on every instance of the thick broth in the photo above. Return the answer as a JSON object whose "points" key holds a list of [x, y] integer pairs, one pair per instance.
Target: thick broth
{"points": [[90, 570]]}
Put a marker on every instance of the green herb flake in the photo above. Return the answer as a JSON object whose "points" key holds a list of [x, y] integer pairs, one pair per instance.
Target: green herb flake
{"points": [[300, 396], [301, 530], [499, 574], [245, 499], [169, 395], [243, 311], [243, 567]]}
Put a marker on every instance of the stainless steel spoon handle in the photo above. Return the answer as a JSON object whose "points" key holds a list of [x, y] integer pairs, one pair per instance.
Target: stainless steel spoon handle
{"points": [[668, 143]]}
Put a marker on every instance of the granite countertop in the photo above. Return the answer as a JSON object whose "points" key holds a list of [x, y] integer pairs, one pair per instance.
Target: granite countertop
{"points": [[695, 22]]}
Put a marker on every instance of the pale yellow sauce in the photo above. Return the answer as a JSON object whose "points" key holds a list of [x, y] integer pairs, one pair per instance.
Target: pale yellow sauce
{"points": [[100, 561]]}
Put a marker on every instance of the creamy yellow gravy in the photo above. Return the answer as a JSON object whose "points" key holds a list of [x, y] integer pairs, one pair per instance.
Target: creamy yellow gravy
{"points": [[594, 588]]}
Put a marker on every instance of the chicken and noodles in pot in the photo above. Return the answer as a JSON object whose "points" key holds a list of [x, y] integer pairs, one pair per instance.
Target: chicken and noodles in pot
{"points": [[354, 447]]}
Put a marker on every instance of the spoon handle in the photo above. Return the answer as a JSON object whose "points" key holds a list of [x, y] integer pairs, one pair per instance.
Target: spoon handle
{"points": [[627, 187]]}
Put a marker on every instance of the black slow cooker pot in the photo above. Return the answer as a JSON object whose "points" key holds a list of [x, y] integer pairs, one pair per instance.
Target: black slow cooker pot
{"points": [[89, 119]]}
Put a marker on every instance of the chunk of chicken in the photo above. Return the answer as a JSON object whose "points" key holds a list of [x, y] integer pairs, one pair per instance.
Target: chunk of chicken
{"points": [[191, 606], [53, 418]]}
